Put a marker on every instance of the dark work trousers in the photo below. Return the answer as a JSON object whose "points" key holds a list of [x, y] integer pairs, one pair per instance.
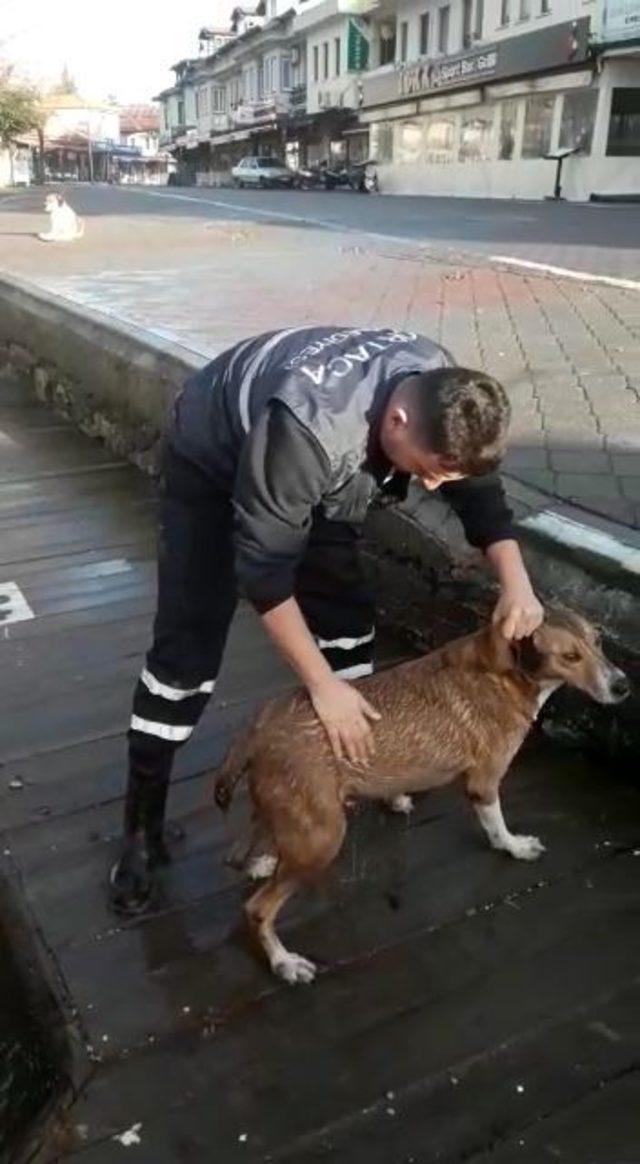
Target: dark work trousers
{"points": [[196, 601]]}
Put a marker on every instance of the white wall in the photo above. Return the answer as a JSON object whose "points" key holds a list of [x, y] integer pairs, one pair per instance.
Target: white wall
{"points": [[492, 28], [103, 124], [445, 174], [341, 87]]}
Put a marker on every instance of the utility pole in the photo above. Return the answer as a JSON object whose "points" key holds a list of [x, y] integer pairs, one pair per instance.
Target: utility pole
{"points": [[90, 150]]}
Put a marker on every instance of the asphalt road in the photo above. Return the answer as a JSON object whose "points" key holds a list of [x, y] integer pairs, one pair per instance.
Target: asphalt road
{"points": [[600, 239]]}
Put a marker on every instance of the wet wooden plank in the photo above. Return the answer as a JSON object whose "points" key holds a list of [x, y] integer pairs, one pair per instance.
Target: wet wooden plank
{"points": [[394, 879], [384, 1024], [436, 953]]}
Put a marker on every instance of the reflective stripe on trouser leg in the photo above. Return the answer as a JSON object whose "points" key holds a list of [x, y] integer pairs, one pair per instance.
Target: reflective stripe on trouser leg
{"points": [[350, 657], [166, 711]]}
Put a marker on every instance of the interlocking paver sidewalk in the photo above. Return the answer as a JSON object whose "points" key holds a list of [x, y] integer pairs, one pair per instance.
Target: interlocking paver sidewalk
{"points": [[568, 352]]}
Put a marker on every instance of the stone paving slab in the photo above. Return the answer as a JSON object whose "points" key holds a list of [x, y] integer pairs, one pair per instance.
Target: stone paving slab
{"points": [[569, 353]]}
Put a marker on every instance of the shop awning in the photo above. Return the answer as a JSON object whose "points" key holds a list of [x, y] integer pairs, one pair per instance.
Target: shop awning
{"points": [[225, 138]]}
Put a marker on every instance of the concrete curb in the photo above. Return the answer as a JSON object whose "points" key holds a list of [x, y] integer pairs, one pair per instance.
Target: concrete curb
{"points": [[110, 378], [117, 381]]}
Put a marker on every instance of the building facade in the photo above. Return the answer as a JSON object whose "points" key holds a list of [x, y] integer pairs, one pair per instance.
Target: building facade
{"points": [[483, 95], [449, 97], [141, 159]]}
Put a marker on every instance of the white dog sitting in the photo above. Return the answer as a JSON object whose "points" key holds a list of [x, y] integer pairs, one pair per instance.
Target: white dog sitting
{"points": [[65, 226]]}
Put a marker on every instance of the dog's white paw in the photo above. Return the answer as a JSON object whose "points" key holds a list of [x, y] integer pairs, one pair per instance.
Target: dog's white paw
{"points": [[526, 848], [402, 803], [259, 868], [294, 968]]}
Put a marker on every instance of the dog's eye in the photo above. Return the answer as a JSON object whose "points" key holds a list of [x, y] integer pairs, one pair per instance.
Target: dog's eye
{"points": [[571, 657]]}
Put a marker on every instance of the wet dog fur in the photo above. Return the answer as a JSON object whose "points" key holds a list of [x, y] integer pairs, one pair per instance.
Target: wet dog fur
{"points": [[461, 711]]}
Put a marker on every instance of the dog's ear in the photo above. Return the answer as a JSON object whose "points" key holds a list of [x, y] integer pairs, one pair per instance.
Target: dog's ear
{"points": [[526, 656]]}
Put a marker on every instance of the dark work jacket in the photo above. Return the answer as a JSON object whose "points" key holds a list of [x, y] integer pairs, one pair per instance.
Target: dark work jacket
{"points": [[283, 424]]}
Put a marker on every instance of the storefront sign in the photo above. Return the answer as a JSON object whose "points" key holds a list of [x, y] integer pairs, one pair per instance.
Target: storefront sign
{"points": [[550, 48], [619, 20], [425, 75], [357, 46]]}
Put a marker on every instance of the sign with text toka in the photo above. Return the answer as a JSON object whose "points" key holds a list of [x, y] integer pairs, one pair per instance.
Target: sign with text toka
{"points": [[549, 48]]}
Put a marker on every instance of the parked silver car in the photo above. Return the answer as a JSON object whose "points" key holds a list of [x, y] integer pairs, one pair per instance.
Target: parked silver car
{"points": [[261, 172]]}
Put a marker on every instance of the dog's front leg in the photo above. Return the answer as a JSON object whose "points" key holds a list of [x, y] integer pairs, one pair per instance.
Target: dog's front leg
{"points": [[495, 826], [483, 790]]}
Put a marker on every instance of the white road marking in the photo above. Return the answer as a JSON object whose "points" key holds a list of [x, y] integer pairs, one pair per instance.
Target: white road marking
{"points": [[567, 273], [250, 211], [567, 532], [13, 604]]}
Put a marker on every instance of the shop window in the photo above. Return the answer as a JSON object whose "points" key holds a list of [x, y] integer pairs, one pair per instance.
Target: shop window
{"points": [[508, 128], [387, 44], [409, 143], [505, 12], [624, 125], [475, 138], [424, 34], [578, 117], [404, 40], [538, 117], [443, 29], [467, 17], [285, 70], [316, 62], [545, 7], [525, 10], [440, 140], [381, 137], [479, 21], [336, 52]]}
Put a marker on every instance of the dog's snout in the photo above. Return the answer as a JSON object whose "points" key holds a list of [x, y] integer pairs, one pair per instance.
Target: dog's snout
{"points": [[620, 686]]}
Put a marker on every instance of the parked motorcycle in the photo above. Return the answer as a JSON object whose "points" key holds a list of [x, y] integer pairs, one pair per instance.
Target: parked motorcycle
{"points": [[360, 176], [363, 176]]}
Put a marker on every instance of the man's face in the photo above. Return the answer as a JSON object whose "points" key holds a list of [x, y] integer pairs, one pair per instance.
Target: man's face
{"points": [[431, 468]]}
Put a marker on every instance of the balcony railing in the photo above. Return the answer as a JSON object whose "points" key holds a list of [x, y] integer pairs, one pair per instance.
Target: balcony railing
{"points": [[298, 98]]}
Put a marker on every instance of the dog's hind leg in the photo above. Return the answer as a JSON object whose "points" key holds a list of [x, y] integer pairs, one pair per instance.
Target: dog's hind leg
{"points": [[304, 857], [262, 910], [402, 804], [261, 860]]}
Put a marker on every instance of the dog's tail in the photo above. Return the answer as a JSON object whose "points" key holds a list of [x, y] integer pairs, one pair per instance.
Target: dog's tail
{"points": [[233, 768]]}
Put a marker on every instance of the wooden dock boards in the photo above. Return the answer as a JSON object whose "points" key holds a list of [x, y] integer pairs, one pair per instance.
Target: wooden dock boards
{"points": [[451, 976]]}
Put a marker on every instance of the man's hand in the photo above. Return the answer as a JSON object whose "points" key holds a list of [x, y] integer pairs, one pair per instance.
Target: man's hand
{"points": [[518, 612], [345, 715]]}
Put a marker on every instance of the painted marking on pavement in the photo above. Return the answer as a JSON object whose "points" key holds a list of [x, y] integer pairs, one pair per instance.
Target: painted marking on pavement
{"points": [[567, 273], [13, 604], [567, 532]]}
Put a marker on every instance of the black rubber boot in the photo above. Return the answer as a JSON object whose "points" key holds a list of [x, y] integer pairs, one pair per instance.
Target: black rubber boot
{"points": [[132, 881], [131, 887]]}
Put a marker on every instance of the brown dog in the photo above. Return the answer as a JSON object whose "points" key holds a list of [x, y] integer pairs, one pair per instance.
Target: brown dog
{"points": [[463, 710]]}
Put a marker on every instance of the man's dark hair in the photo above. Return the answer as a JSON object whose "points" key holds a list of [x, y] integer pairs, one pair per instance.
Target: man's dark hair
{"points": [[462, 415]]}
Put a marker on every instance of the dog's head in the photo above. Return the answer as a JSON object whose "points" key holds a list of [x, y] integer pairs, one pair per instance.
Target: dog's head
{"points": [[566, 648], [52, 202]]}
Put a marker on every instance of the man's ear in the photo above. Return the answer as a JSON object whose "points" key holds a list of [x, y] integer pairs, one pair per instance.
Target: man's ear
{"points": [[399, 416], [527, 656]]}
